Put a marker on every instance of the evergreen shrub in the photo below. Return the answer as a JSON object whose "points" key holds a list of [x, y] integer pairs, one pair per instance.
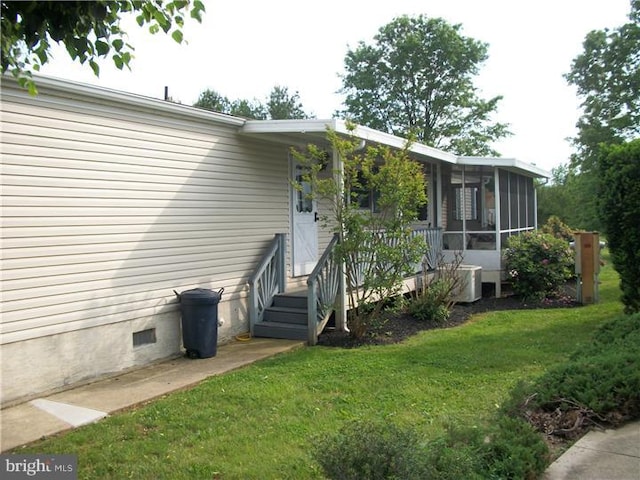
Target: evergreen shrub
{"points": [[619, 200]]}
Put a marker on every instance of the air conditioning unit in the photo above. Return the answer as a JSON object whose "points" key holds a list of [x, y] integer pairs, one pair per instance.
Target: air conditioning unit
{"points": [[471, 287]]}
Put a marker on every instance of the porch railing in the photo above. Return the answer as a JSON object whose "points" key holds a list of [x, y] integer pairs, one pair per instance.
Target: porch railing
{"points": [[325, 284], [433, 240], [323, 287], [268, 279]]}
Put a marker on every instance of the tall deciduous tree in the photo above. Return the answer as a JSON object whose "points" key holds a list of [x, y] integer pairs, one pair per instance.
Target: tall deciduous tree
{"points": [[283, 105], [607, 76], [88, 30], [216, 102], [417, 79], [569, 197], [279, 105]]}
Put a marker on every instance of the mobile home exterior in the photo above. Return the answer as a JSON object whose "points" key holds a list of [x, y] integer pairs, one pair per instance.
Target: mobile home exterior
{"points": [[111, 201]]}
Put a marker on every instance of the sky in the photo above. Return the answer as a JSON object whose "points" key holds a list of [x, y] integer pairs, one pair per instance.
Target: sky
{"points": [[244, 48]]}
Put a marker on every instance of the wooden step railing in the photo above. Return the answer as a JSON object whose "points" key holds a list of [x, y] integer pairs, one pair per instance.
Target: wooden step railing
{"points": [[268, 280], [324, 285]]}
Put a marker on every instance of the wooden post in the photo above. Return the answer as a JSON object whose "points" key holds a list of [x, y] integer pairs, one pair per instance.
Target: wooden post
{"points": [[587, 265]]}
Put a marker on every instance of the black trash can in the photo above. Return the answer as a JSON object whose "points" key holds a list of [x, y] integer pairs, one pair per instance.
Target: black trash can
{"points": [[199, 309]]}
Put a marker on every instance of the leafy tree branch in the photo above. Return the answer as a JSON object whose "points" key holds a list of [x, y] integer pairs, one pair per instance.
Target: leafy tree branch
{"points": [[88, 30]]}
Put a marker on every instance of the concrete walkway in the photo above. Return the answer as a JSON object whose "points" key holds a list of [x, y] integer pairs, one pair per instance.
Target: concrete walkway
{"points": [[601, 455], [30, 421], [608, 455]]}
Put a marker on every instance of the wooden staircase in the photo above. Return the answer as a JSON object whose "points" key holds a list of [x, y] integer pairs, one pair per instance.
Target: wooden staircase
{"points": [[287, 317]]}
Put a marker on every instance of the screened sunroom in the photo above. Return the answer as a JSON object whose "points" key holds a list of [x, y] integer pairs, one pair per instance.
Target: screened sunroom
{"points": [[483, 201]]}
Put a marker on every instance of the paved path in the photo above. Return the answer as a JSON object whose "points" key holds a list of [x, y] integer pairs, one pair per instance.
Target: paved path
{"points": [[29, 421], [601, 455]]}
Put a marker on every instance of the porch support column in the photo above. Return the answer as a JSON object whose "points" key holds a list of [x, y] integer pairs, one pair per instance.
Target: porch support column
{"points": [[341, 296], [498, 179]]}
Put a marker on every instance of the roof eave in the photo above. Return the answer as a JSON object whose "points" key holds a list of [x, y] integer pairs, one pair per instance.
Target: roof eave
{"points": [[102, 93], [319, 126], [508, 163]]}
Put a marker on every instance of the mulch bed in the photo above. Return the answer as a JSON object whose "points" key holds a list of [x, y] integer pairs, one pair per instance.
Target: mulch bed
{"points": [[395, 327]]}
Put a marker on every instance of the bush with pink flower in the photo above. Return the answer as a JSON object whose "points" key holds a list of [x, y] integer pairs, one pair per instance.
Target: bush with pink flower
{"points": [[538, 264]]}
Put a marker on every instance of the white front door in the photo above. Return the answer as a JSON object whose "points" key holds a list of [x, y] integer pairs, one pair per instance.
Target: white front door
{"points": [[304, 238]]}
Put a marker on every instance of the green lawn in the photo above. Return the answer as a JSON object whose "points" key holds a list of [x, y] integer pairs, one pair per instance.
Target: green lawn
{"points": [[262, 421]]}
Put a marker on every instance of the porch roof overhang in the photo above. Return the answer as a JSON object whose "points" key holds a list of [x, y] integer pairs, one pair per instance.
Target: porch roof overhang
{"points": [[307, 131], [511, 164]]}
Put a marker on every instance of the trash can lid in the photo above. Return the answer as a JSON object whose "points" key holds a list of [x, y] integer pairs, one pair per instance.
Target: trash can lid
{"points": [[201, 296]]}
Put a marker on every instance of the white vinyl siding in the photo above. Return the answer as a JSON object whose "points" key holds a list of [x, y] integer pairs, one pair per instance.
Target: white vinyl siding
{"points": [[108, 206]]}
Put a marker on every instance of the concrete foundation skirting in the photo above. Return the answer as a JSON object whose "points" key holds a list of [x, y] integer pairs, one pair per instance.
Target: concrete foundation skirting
{"points": [[50, 363], [30, 421]]}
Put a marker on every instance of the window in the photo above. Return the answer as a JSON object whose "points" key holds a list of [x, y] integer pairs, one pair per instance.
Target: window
{"points": [[513, 200], [466, 203], [517, 204], [531, 214], [365, 198], [304, 202]]}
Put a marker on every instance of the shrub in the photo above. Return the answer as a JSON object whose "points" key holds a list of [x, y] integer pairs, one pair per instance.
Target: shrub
{"points": [[433, 302], [513, 449], [372, 450], [558, 228], [456, 454], [506, 448], [604, 376], [600, 381], [538, 264], [619, 201], [623, 329], [435, 297]]}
